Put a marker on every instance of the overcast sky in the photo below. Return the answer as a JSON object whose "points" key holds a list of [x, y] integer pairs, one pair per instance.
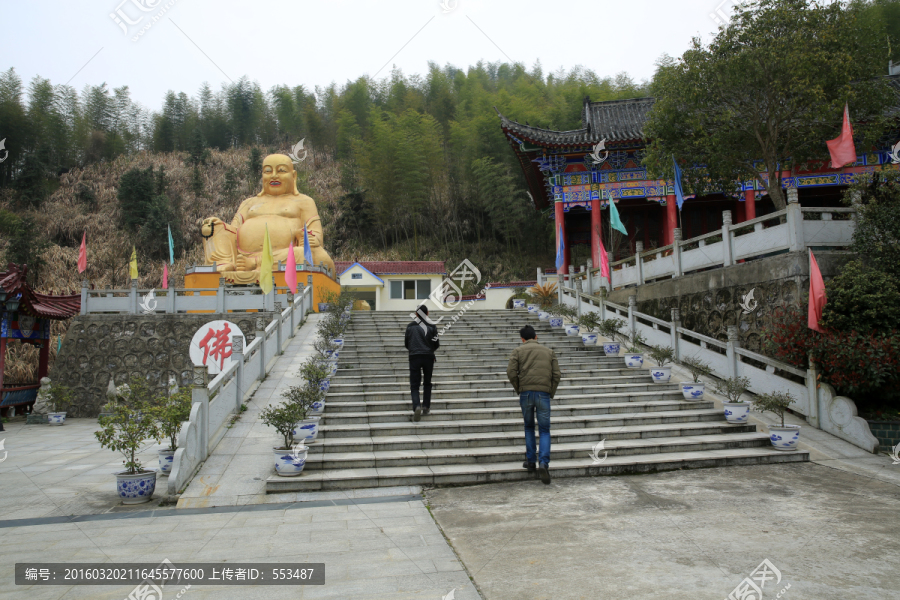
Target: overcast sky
{"points": [[301, 42]]}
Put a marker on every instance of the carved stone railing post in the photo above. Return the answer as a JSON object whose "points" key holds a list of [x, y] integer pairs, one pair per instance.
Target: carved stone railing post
{"points": [[610, 257], [279, 321], [84, 296], [170, 297], [812, 390], [731, 345], [133, 297], [603, 294], [727, 248], [220, 297], [638, 265], [200, 395], [570, 280], [676, 337], [676, 251], [590, 277], [795, 221], [261, 334], [237, 355], [290, 301], [311, 296], [632, 322], [540, 277]]}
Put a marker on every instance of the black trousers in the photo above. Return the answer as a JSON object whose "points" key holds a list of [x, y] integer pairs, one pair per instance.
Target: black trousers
{"points": [[419, 364]]}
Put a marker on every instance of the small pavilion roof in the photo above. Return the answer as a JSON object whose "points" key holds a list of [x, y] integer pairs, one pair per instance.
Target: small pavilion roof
{"points": [[31, 302], [395, 267]]}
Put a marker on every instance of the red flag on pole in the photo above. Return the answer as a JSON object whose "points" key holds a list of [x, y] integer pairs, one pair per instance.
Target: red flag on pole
{"points": [[604, 262], [82, 254], [290, 269], [817, 297], [165, 281], [842, 150]]}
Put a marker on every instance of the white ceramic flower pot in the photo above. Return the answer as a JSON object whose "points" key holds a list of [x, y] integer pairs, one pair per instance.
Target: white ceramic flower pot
{"points": [[589, 339], [693, 390], [737, 412], [634, 361], [325, 386], [556, 322], [339, 342], [611, 348], [136, 488], [661, 374], [307, 430], [784, 438], [166, 457], [56, 418], [572, 329], [318, 407], [543, 315], [533, 308], [289, 462], [518, 303]]}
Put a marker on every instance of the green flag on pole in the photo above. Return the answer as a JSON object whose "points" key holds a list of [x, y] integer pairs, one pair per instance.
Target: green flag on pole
{"points": [[614, 221]]}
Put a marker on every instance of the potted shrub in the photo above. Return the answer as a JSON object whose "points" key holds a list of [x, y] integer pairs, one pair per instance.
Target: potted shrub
{"points": [[588, 324], [543, 296], [519, 297], [663, 355], [60, 397], [693, 390], [634, 354], [290, 457], [736, 410], [316, 373], [560, 313], [609, 328], [783, 437], [304, 397], [174, 411], [124, 431]]}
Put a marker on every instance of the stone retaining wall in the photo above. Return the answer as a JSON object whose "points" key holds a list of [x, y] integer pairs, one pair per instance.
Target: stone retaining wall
{"points": [[155, 347]]}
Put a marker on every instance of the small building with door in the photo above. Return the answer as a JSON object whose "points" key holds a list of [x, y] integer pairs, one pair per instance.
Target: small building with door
{"points": [[391, 285]]}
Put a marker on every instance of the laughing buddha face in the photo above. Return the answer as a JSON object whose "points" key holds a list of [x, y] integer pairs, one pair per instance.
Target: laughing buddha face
{"points": [[278, 175]]}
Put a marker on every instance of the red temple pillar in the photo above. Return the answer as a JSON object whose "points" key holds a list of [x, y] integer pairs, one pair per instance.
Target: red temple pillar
{"points": [[2, 360], [561, 230], [671, 219], [749, 205], [44, 360], [595, 233]]}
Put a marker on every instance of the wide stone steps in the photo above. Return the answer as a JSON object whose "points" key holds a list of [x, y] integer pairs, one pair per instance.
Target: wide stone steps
{"points": [[474, 433]]}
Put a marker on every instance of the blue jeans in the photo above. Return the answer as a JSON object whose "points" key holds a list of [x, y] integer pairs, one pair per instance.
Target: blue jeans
{"points": [[539, 402]]}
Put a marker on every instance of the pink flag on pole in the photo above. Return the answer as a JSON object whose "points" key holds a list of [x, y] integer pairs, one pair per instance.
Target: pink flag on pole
{"points": [[604, 262], [817, 297], [842, 150], [82, 254], [290, 270], [165, 281]]}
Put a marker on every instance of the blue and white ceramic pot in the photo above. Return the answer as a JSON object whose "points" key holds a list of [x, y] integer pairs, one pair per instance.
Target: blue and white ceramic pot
{"points": [[517, 303], [307, 430], [634, 361], [136, 488], [56, 418], [289, 462], [661, 374], [784, 438], [325, 386], [572, 329], [166, 457], [543, 315], [533, 308], [611, 348], [318, 407], [339, 342], [556, 322], [589, 339], [693, 390], [737, 412], [333, 366], [323, 306]]}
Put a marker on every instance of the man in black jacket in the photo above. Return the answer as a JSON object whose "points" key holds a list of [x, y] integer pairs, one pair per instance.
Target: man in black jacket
{"points": [[421, 341]]}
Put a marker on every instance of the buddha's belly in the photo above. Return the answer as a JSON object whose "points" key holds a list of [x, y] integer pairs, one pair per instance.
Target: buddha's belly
{"points": [[253, 232]]}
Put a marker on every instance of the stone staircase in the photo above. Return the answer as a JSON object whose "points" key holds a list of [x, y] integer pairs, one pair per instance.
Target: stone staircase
{"points": [[474, 433]]}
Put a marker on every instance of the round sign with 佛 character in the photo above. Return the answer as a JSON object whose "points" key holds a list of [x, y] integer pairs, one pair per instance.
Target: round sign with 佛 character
{"points": [[211, 345]]}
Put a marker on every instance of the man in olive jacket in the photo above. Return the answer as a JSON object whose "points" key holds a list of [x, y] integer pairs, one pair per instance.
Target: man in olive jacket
{"points": [[534, 374]]}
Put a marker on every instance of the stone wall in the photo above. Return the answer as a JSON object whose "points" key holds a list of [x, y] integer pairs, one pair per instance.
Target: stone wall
{"points": [[710, 301], [155, 347]]}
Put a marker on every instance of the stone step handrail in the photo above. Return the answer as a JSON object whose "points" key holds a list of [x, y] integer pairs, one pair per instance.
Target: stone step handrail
{"points": [[818, 402], [215, 402]]}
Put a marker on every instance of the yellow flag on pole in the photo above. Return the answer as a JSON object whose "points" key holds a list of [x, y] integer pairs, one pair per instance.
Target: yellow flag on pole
{"points": [[266, 263], [133, 263]]}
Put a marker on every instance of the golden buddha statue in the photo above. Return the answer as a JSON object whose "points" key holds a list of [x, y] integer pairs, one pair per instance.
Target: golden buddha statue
{"points": [[236, 249]]}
